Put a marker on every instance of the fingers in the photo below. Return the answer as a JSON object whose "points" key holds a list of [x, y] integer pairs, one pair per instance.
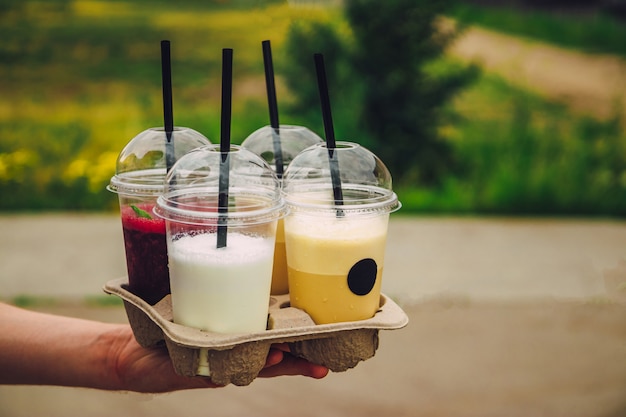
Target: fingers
{"points": [[274, 357], [291, 365], [162, 377], [281, 346]]}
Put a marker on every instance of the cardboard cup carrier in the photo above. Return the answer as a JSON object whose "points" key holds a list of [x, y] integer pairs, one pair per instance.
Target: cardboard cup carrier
{"points": [[237, 358]]}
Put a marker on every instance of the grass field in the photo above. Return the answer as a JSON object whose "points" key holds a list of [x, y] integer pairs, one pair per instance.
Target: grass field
{"points": [[81, 78], [519, 154]]}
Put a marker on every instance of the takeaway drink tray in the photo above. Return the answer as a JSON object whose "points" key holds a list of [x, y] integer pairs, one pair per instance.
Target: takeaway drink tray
{"points": [[238, 358]]}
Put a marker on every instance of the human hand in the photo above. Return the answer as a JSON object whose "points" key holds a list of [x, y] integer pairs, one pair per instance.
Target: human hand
{"points": [[150, 370]]}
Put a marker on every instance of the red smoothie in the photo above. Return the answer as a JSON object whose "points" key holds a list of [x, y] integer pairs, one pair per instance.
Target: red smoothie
{"points": [[146, 252]]}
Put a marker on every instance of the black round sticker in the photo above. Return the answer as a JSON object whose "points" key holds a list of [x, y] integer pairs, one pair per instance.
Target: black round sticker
{"points": [[362, 276]]}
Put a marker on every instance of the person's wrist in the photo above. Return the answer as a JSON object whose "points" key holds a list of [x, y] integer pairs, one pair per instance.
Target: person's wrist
{"points": [[109, 363]]}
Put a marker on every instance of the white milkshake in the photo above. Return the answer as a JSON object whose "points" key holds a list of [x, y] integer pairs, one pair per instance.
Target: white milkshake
{"points": [[223, 290]]}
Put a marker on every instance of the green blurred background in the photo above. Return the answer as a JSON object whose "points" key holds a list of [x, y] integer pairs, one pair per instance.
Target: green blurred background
{"points": [[79, 79]]}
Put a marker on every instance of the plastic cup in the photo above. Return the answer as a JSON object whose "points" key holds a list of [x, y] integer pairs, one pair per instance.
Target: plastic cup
{"points": [[138, 181], [221, 289], [293, 140], [335, 250]]}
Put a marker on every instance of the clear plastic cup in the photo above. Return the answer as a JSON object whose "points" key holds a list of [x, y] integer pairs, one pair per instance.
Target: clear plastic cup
{"points": [[293, 139], [221, 289], [138, 181], [335, 250]]}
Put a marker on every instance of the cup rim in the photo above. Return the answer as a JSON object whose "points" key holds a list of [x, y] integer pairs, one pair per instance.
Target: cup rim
{"points": [[145, 182], [340, 145], [384, 201], [269, 209]]}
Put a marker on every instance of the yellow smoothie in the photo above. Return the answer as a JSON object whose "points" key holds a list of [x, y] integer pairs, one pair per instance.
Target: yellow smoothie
{"points": [[323, 257], [280, 283]]}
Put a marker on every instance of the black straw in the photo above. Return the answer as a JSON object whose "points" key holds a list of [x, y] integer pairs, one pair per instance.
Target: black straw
{"points": [[273, 107], [322, 85], [227, 92], [168, 113]]}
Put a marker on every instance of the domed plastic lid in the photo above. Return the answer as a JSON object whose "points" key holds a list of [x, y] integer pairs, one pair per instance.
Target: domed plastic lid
{"points": [[142, 164], [366, 183], [293, 139], [192, 188]]}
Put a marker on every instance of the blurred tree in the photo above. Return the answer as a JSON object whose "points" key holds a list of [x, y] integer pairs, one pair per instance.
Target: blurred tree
{"points": [[403, 102], [385, 90], [304, 39]]}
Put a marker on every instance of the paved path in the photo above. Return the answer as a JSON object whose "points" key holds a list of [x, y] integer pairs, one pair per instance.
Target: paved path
{"points": [[588, 83]]}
